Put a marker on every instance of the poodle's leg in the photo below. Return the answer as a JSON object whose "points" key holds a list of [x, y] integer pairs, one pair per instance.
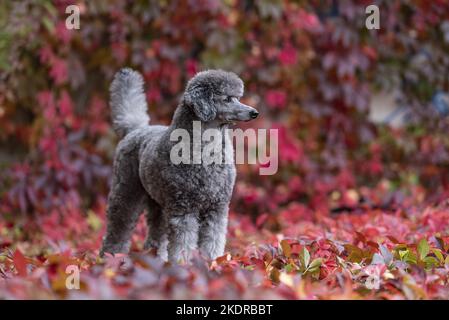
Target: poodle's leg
{"points": [[157, 233], [212, 234], [125, 203], [182, 235]]}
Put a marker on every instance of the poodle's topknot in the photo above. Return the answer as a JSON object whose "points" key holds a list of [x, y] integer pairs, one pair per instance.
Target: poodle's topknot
{"points": [[219, 81]]}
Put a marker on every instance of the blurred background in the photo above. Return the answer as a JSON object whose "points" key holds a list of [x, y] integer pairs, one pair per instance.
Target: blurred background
{"points": [[361, 113]]}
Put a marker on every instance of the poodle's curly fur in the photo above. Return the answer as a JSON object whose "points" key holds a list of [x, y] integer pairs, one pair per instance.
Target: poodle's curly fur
{"points": [[186, 204]]}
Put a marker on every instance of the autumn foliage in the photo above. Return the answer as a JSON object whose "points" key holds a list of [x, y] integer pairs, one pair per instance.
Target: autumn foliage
{"points": [[357, 210]]}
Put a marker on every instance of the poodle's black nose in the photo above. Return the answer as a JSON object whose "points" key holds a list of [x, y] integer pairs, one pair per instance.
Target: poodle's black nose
{"points": [[253, 114]]}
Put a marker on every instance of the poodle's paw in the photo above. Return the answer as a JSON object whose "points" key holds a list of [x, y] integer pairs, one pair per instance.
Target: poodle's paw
{"points": [[163, 254], [212, 254], [212, 249], [114, 248], [159, 246], [178, 258]]}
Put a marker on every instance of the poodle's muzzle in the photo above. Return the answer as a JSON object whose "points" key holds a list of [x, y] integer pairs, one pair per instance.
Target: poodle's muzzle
{"points": [[237, 111]]}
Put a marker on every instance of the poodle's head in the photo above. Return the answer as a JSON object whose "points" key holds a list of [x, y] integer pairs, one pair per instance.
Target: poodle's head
{"points": [[215, 94]]}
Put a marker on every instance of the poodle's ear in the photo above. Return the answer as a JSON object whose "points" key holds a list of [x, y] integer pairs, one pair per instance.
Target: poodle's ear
{"points": [[200, 100]]}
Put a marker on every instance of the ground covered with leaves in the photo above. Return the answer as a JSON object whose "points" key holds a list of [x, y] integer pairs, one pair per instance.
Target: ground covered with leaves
{"points": [[356, 210], [401, 254]]}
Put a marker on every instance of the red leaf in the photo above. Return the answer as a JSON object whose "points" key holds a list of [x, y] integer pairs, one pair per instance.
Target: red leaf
{"points": [[261, 219], [288, 55], [20, 263]]}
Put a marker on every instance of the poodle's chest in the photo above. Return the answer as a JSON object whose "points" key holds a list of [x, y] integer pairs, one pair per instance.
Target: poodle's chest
{"points": [[212, 179], [196, 184]]}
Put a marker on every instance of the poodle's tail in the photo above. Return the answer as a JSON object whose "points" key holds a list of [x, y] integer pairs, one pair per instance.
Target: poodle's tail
{"points": [[128, 103]]}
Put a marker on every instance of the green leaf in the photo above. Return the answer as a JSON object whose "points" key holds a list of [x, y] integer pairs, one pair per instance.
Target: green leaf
{"points": [[430, 262], [304, 257], [407, 256], [438, 254], [290, 267], [403, 254], [423, 249], [93, 221], [49, 25], [315, 265], [50, 8]]}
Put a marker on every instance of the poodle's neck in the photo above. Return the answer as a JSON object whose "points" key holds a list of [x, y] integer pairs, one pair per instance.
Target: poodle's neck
{"points": [[184, 118]]}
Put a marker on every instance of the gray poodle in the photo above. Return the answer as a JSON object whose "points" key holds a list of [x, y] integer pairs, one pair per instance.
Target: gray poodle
{"points": [[186, 204]]}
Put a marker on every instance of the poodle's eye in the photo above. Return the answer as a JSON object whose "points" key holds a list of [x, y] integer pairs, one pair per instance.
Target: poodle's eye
{"points": [[228, 99]]}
